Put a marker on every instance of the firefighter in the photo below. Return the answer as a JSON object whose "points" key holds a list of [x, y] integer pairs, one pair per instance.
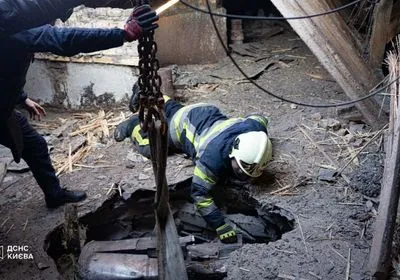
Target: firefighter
{"points": [[16, 54], [220, 148]]}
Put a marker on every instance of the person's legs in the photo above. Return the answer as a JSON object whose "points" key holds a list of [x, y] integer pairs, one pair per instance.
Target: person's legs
{"points": [[36, 155]]}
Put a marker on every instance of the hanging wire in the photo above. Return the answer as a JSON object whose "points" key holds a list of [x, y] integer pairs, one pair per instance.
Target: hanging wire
{"points": [[270, 18], [371, 94]]}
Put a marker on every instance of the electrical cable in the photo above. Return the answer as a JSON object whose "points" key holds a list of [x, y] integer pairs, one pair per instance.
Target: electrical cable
{"points": [[283, 98], [270, 18]]}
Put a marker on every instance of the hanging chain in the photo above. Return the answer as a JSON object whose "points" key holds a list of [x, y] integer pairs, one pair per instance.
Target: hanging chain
{"points": [[151, 101]]}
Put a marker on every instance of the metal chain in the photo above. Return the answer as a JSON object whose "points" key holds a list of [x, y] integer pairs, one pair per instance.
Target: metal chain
{"points": [[151, 101]]}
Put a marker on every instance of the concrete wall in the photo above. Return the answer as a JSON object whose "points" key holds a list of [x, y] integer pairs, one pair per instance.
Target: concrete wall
{"points": [[105, 77], [77, 85]]}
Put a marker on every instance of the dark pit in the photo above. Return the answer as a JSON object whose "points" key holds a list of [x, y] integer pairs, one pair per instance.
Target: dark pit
{"points": [[117, 240]]}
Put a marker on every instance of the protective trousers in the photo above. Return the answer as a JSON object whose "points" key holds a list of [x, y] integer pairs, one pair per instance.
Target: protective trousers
{"points": [[35, 153]]}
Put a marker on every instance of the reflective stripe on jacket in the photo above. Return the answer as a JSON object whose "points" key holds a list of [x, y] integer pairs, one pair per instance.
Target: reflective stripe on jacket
{"points": [[207, 135]]}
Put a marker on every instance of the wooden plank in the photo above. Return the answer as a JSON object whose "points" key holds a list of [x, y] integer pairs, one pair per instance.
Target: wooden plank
{"points": [[380, 32], [380, 254], [332, 42]]}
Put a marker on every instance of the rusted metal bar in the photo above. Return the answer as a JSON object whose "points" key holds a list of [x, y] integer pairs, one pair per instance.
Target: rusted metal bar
{"points": [[171, 265]]}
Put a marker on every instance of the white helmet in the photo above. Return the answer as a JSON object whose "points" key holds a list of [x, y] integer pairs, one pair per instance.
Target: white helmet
{"points": [[252, 151]]}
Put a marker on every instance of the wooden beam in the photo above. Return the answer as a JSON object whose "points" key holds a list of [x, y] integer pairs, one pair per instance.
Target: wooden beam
{"points": [[331, 41], [380, 32], [380, 254], [394, 27]]}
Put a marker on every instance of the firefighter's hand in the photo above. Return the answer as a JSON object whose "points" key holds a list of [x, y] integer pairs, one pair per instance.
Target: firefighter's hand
{"points": [[227, 234], [141, 20], [34, 109]]}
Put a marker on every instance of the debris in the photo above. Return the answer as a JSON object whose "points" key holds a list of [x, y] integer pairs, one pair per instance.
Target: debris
{"points": [[78, 156], [356, 128], [25, 224], [327, 175], [42, 266], [315, 275], [289, 277], [358, 143], [301, 183], [245, 49], [349, 113], [21, 167], [143, 176], [93, 166], [243, 269], [369, 204], [135, 157], [70, 158], [11, 227], [115, 186], [350, 204], [359, 151], [323, 153], [302, 234], [342, 132], [316, 117], [3, 171], [4, 222], [61, 130], [319, 77], [77, 142], [293, 106], [348, 265], [330, 124]]}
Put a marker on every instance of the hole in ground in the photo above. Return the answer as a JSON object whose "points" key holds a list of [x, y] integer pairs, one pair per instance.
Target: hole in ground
{"points": [[117, 241]]}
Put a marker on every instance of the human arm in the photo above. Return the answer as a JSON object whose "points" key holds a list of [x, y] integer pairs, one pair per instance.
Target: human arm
{"points": [[69, 41], [203, 182], [33, 108], [17, 15]]}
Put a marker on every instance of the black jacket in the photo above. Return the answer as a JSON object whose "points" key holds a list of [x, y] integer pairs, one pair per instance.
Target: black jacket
{"points": [[18, 15], [16, 54]]}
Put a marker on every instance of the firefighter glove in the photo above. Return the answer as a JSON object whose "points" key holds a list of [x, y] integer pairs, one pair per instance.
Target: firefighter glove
{"points": [[227, 234], [141, 20]]}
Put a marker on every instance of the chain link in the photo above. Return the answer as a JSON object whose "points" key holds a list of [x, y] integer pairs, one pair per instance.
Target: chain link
{"points": [[151, 101]]}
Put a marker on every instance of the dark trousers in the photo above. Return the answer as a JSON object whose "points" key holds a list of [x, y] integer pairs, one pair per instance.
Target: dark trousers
{"points": [[35, 153]]}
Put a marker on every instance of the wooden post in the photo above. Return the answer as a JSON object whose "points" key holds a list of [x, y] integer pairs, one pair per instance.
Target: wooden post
{"points": [[380, 255], [331, 40], [380, 32]]}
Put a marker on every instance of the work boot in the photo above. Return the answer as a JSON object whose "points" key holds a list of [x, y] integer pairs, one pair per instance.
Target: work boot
{"points": [[134, 102], [64, 196], [123, 130]]}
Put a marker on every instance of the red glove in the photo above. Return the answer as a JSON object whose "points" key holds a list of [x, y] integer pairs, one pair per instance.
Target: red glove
{"points": [[141, 20]]}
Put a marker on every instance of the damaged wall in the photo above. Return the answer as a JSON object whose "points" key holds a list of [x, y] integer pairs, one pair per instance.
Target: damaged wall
{"points": [[86, 80], [110, 74], [78, 85]]}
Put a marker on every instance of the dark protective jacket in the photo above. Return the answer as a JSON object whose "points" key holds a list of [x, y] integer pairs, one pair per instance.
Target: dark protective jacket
{"points": [[17, 15], [207, 136], [16, 53]]}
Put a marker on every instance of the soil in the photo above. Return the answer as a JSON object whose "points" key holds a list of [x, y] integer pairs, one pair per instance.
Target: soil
{"points": [[333, 219]]}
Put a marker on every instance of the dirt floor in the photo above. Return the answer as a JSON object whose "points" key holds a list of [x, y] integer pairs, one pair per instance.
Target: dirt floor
{"points": [[334, 215]]}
